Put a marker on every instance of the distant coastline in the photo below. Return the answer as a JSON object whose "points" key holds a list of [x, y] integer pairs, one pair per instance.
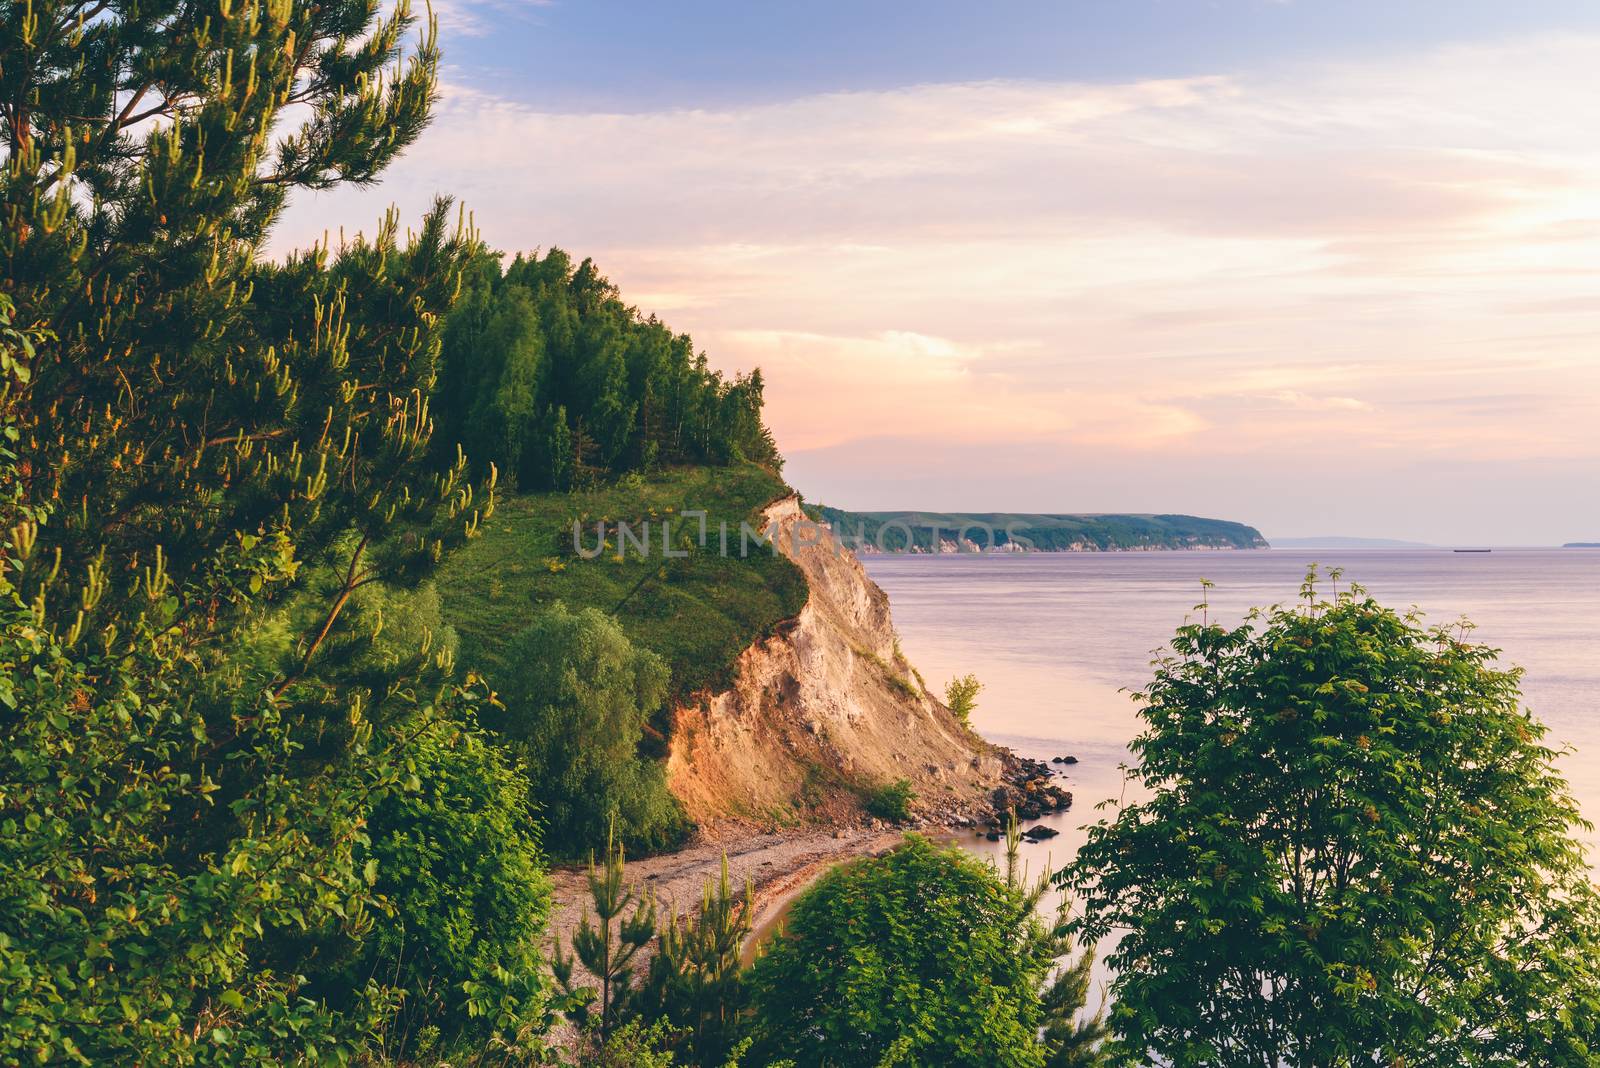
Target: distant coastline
{"points": [[952, 532], [1582, 545]]}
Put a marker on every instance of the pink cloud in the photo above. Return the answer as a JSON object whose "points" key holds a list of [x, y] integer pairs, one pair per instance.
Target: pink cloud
{"points": [[1245, 268]]}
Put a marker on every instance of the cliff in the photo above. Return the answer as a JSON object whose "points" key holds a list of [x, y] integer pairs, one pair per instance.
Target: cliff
{"points": [[823, 711]]}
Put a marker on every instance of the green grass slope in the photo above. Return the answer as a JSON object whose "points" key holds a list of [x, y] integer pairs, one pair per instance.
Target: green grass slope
{"points": [[697, 612], [1047, 532]]}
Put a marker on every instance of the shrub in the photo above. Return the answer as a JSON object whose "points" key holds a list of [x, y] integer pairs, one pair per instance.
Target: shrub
{"points": [[891, 801], [633, 1045], [922, 956], [962, 696], [457, 863]]}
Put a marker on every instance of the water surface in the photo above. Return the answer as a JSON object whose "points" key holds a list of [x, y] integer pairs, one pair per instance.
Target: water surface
{"points": [[1056, 638]]}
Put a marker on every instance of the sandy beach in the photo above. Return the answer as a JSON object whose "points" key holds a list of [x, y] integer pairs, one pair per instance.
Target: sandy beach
{"points": [[775, 865]]}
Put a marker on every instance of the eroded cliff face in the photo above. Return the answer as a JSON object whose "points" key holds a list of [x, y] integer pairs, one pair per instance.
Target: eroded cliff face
{"points": [[824, 711]]}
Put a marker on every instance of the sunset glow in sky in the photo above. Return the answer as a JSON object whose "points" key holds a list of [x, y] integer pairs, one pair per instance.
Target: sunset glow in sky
{"points": [[1244, 259]]}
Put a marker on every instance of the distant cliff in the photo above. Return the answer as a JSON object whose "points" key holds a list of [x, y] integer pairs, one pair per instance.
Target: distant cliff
{"points": [[1022, 531]]}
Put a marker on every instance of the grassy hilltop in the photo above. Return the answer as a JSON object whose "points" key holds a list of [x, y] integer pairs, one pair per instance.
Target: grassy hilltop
{"points": [[696, 612]]}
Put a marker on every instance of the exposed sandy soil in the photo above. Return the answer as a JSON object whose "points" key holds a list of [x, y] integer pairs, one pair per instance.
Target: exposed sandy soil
{"points": [[776, 866], [826, 709]]}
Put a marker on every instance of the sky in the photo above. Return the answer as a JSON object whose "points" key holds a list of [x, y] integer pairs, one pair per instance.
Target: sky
{"points": [[1327, 268]]}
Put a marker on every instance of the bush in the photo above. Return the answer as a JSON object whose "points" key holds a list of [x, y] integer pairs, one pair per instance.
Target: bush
{"points": [[108, 954], [962, 696], [922, 956], [457, 862], [634, 1045], [891, 801], [1355, 850], [575, 713]]}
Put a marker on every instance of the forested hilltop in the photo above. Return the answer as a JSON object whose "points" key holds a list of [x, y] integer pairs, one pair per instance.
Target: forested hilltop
{"points": [[595, 416], [549, 377], [1032, 532]]}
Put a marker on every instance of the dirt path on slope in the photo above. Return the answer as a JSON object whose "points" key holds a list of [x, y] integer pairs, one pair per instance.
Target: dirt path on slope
{"points": [[776, 865]]}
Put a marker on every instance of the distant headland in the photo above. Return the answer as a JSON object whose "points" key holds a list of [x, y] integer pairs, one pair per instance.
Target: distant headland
{"points": [[930, 532], [1582, 545]]}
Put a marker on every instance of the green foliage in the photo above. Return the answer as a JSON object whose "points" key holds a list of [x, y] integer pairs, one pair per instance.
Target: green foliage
{"points": [[891, 801], [109, 950], [198, 437], [576, 715], [962, 696], [1355, 850], [922, 956], [205, 392], [697, 980], [552, 379], [634, 1045], [698, 612], [1068, 1039], [465, 896], [607, 951]]}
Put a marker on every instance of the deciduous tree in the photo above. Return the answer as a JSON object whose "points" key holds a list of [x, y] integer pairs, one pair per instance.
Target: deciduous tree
{"points": [[1356, 850]]}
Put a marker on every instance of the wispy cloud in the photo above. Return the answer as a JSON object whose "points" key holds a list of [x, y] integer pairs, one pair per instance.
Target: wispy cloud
{"points": [[478, 18], [1240, 268]]}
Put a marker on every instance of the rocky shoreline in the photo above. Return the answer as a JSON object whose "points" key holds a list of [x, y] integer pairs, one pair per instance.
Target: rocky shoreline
{"points": [[765, 856], [1028, 791]]}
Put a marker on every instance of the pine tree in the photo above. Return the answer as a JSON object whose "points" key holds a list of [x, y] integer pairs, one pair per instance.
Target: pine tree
{"points": [[697, 977], [1069, 1041], [196, 433], [608, 947]]}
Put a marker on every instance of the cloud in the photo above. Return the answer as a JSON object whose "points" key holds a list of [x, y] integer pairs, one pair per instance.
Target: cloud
{"points": [[901, 384], [478, 18], [1290, 398], [1303, 260]]}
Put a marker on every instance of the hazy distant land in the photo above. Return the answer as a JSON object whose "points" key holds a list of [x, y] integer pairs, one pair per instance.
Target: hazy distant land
{"points": [[1038, 532]]}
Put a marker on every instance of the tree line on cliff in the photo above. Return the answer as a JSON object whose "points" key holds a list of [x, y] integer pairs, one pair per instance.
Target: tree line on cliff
{"points": [[548, 376]]}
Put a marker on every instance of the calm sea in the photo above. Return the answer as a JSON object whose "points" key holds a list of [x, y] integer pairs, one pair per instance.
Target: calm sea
{"points": [[1056, 637]]}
